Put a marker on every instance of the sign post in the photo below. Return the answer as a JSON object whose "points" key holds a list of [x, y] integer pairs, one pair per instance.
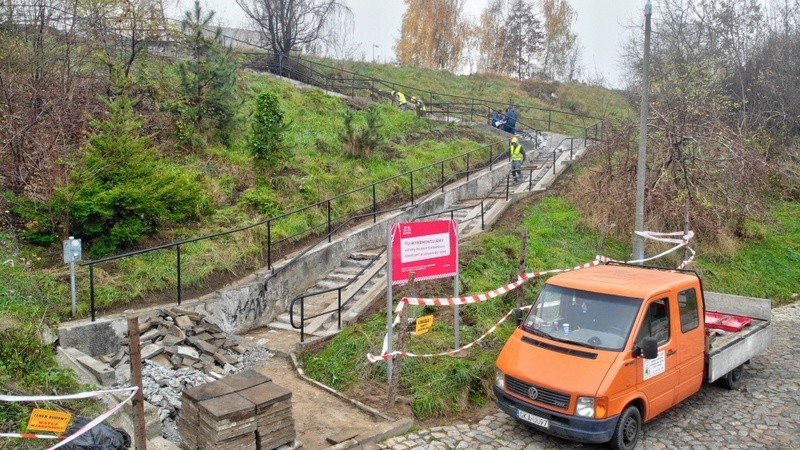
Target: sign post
{"points": [[72, 254], [428, 250]]}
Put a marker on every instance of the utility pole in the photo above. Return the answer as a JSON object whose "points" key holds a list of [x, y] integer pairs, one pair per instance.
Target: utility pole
{"points": [[641, 167]]}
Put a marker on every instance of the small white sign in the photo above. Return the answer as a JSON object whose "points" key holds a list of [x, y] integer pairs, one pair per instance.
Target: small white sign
{"points": [[655, 366], [424, 247]]}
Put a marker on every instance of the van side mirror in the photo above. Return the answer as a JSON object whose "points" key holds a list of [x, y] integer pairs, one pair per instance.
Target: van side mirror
{"points": [[518, 316], [648, 348]]}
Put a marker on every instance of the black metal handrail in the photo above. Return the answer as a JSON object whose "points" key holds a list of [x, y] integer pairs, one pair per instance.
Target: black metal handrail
{"points": [[449, 103], [414, 191], [366, 83]]}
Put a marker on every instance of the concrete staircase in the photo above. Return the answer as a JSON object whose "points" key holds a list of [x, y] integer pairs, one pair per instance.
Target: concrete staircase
{"points": [[356, 282], [360, 280]]}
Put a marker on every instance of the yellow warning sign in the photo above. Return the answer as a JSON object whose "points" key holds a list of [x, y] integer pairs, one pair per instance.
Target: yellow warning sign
{"points": [[47, 420], [424, 324]]}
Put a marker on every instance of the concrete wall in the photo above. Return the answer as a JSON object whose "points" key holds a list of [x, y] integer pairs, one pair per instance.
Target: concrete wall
{"points": [[259, 298]]}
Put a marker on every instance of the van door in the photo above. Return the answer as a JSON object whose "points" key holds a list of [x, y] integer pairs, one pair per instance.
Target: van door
{"points": [[657, 378], [691, 343]]}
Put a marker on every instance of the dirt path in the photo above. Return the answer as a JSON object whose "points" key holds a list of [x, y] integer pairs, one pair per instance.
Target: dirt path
{"points": [[318, 413]]}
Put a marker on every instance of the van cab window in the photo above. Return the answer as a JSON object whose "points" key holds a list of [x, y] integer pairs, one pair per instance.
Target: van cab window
{"points": [[687, 306], [656, 322], [589, 319]]}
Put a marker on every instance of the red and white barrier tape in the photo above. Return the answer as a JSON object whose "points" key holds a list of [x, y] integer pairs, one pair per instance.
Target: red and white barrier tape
{"points": [[80, 431], [682, 241], [386, 356]]}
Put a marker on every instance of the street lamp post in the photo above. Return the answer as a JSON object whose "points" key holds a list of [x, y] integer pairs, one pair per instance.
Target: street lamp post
{"points": [[374, 46], [641, 167]]}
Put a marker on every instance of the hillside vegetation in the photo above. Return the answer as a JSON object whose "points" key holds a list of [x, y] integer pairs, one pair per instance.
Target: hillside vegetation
{"points": [[141, 159]]}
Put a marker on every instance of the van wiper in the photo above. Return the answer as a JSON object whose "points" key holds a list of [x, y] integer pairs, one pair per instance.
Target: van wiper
{"points": [[539, 332]]}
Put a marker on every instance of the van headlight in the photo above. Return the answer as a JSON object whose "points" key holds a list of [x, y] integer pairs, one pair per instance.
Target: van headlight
{"points": [[499, 379], [585, 407]]}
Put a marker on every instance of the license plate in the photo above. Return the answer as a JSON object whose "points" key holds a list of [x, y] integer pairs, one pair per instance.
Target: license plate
{"points": [[536, 420]]}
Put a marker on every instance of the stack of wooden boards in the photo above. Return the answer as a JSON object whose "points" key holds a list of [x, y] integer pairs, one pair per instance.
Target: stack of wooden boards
{"points": [[244, 411]]}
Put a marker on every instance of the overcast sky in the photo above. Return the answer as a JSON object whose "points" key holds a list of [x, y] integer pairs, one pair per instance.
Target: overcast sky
{"points": [[601, 27]]}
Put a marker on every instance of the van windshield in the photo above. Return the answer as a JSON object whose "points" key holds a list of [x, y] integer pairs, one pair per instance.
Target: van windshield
{"points": [[585, 318]]}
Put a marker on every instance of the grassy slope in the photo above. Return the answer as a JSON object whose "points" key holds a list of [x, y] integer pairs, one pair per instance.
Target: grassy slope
{"points": [[556, 237]]}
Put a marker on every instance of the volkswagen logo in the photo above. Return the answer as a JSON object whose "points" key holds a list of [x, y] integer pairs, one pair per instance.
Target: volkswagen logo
{"points": [[533, 393]]}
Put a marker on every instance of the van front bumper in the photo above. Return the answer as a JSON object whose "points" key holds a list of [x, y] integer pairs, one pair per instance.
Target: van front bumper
{"points": [[562, 425]]}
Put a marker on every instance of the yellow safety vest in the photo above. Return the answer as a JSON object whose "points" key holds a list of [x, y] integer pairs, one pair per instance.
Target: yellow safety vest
{"points": [[516, 152], [401, 99]]}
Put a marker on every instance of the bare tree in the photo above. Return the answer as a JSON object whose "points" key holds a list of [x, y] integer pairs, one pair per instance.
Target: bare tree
{"points": [[336, 39], [698, 152], [287, 25]]}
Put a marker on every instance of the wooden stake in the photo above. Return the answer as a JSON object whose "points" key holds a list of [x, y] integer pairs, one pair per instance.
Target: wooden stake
{"points": [[139, 434], [402, 333], [521, 266]]}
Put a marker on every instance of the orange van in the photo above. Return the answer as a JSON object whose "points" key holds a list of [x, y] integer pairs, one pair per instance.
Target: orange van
{"points": [[606, 348]]}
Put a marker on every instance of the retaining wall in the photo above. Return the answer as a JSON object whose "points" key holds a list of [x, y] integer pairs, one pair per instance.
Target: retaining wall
{"points": [[259, 298]]}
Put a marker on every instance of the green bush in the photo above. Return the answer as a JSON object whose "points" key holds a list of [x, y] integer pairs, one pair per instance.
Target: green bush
{"points": [[124, 193], [266, 139]]}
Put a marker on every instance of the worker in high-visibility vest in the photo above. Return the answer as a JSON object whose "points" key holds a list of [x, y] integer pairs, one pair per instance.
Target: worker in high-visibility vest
{"points": [[419, 105], [402, 103], [517, 158]]}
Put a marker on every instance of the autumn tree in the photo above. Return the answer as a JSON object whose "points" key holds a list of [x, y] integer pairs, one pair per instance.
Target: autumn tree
{"points": [[560, 43], [432, 34], [491, 36], [287, 25]]}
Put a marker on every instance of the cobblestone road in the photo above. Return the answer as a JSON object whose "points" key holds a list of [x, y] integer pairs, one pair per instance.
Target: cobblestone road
{"points": [[765, 413]]}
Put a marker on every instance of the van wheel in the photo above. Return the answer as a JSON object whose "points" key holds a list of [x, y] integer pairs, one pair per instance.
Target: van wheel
{"points": [[626, 435], [733, 379]]}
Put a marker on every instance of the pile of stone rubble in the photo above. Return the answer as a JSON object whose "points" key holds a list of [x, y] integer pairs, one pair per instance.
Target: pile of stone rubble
{"points": [[180, 349]]}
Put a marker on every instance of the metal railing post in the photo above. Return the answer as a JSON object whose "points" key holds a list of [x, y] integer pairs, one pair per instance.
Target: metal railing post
{"points": [[329, 222], [374, 205], [468, 166], [508, 186], [554, 160], [302, 319], [442, 175], [91, 288], [482, 218], [472, 111], [571, 144], [549, 118], [339, 313], [269, 244], [412, 186], [178, 262]]}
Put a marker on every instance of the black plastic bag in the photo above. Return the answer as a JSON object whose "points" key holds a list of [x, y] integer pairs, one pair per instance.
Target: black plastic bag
{"points": [[100, 437]]}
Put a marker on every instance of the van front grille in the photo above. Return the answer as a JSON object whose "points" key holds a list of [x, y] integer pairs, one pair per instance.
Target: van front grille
{"points": [[546, 396]]}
